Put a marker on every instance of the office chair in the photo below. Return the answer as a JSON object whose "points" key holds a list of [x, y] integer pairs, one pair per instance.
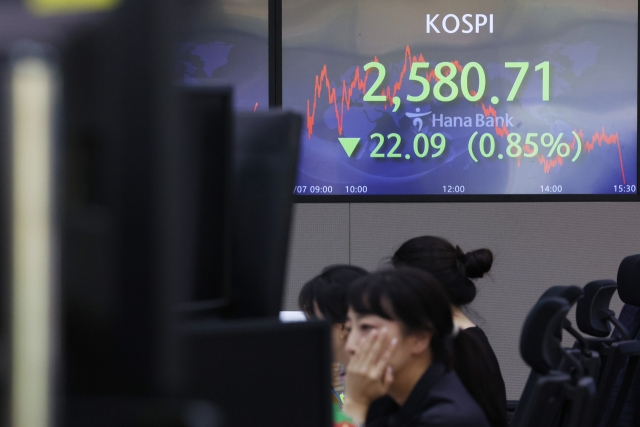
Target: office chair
{"points": [[589, 359], [627, 412], [551, 398], [629, 292], [594, 317]]}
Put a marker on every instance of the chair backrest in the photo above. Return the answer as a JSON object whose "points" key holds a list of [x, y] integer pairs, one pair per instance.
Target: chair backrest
{"points": [[542, 400], [591, 307], [621, 411], [613, 386], [571, 293], [629, 292], [557, 393], [539, 344], [629, 280], [617, 352], [589, 360]]}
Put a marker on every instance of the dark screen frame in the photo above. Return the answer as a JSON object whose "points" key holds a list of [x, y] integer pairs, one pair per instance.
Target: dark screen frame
{"points": [[475, 198], [275, 101], [275, 53], [309, 359]]}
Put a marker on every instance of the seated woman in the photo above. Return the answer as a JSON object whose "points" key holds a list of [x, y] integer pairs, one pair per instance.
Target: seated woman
{"points": [[325, 297], [476, 363], [399, 374]]}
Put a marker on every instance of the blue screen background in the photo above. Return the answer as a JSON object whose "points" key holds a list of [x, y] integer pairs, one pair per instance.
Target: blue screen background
{"points": [[593, 92]]}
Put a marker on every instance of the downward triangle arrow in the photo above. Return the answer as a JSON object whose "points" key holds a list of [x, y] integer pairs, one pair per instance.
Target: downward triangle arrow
{"points": [[349, 144]]}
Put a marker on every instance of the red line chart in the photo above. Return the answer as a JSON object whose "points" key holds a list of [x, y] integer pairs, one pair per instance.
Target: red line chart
{"points": [[358, 85]]}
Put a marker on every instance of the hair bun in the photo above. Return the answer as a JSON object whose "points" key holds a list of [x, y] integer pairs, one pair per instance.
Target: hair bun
{"points": [[462, 257], [478, 262]]}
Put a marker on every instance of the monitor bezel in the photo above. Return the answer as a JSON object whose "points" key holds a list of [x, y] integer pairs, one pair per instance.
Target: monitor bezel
{"points": [[275, 101]]}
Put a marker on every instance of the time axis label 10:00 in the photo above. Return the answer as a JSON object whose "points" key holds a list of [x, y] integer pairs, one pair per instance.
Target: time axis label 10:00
{"points": [[328, 189]]}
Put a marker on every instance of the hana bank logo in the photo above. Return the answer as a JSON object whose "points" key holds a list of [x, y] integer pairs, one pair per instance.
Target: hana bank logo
{"points": [[451, 23], [417, 118]]}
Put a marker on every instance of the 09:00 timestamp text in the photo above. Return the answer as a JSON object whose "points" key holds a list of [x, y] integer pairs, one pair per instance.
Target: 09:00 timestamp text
{"points": [[314, 189]]}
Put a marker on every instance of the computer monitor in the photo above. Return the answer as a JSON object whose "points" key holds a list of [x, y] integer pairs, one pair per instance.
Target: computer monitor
{"points": [[120, 156], [203, 181], [266, 153], [247, 281], [263, 373], [228, 42]]}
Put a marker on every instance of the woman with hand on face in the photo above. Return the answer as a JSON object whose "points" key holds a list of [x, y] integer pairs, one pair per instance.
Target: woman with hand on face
{"points": [[475, 362], [325, 297], [400, 347]]}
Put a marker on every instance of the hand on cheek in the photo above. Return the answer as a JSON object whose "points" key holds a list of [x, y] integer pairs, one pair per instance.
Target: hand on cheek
{"points": [[369, 375]]}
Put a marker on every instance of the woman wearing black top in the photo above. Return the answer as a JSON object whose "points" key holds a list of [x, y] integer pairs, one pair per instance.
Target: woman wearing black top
{"points": [[325, 297], [475, 362], [400, 341]]}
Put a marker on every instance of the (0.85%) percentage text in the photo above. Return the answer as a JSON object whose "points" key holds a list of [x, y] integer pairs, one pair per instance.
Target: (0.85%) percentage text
{"points": [[487, 145]]}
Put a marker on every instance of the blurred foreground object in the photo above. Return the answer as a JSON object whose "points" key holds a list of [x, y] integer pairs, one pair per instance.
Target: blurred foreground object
{"points": [[49, 7], [33, 283]]}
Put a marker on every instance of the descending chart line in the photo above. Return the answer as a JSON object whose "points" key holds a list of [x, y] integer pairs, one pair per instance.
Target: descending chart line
{"points": [[358, 86]]}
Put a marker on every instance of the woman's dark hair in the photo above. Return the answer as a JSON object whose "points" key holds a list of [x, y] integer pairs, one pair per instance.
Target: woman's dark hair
{"points": [[419, 302], [411, 296], [329, 291], [448, 263], [471, 363]]}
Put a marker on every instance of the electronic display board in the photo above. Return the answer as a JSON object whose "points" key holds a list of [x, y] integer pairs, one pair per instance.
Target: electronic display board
{"points": [[463, 98], [228, 44]]}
